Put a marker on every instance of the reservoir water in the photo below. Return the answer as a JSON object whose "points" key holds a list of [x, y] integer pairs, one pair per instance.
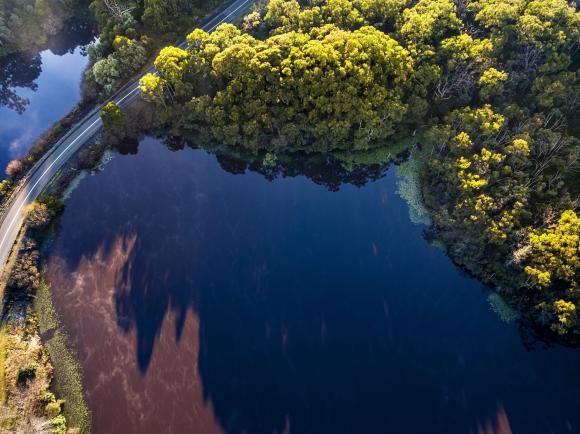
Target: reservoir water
{"points": [[206, 298]]}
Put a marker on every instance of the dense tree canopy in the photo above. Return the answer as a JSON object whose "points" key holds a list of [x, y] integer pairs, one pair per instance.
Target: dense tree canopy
{"points": [[139, 25], [134, 18], [128, 57], [322, 90]]}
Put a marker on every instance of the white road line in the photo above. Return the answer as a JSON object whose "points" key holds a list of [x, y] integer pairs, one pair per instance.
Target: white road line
{"points": [[19, 209], [212, 20], [42, 176], [126, 96], [229, 15], [208, 31]]}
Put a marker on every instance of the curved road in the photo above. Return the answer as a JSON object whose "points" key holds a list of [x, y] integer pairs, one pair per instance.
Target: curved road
{"points": [[41, 174]]}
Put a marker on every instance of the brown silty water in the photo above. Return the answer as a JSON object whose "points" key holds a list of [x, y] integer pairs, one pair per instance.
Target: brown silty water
{"points": [[121, 396]]}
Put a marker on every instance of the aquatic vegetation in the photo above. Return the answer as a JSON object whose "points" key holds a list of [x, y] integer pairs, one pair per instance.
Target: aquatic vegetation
{"points": [[506, 313], [409, 189]]}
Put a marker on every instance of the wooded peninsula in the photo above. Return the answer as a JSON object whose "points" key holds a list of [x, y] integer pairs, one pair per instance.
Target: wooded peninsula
{"points": [[490, 89]]}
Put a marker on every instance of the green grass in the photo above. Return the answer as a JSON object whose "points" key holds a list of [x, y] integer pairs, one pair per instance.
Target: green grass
{"points": [[2, 366], [68, 382]]}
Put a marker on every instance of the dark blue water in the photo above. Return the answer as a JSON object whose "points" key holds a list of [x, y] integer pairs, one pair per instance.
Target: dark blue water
{"points": [[40, 87], [205, 301]]}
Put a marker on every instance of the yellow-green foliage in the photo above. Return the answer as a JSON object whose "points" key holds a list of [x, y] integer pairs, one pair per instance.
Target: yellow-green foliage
{"points": [[566, 313], [282, 15], [2, 366], [430, 20], [324, 90], [519, 147], [464, 48], [112, 115], [172, 61], [491, 82], [556, 252], [497, 14], [151, 86], [484, 188], [58, 425], [53, 409], [27, 373], [472, 171], [477, 122]]}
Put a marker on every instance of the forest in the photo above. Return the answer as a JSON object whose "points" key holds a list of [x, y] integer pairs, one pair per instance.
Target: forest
{"points": [[488, 89], [129, 33]]}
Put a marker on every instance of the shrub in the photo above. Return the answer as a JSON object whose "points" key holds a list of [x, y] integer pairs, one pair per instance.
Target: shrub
{"points": [[37, 215], [112, 116], [14, 168], [25, 275], [47, 397], [58, 425], [53, 204], [27, 373], [53, 409]]}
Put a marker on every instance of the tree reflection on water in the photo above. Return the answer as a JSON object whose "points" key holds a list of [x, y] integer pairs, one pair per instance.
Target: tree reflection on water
{"points": [[317, 310], [19, 71]]}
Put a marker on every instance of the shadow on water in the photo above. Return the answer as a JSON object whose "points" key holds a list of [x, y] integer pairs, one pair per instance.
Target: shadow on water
{"points": [[19, 71], [318, 312], [328, 173], [78, 31], [152, 285]]}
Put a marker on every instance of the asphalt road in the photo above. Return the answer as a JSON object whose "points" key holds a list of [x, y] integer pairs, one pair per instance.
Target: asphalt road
{"points": [[79, 135]]}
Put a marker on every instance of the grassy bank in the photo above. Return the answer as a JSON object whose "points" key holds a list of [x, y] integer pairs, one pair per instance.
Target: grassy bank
{"points": [[2, 366], [31, 398], [42, 383], [67, 373]]}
